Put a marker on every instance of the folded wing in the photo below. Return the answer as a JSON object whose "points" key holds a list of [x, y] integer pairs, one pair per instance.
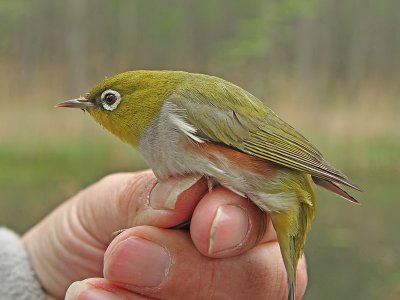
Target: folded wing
{"points": [[226, 114]]}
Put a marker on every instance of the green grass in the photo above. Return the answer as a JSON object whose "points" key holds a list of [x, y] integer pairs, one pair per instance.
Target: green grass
{"points": [[353, 251]]}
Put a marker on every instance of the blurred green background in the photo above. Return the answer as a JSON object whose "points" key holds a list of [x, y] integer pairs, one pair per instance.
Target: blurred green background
{"points": [[330, 68]]}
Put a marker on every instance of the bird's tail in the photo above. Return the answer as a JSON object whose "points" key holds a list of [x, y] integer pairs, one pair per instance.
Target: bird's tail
{"points": [[291, 228], [292, 289], [293, 267]]}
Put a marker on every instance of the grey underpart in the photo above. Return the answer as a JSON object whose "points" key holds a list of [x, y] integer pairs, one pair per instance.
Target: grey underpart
{"points": [[17, 278]]}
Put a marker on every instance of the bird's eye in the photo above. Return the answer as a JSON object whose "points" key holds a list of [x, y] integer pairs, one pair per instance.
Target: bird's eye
{"points": [[110, 99]]}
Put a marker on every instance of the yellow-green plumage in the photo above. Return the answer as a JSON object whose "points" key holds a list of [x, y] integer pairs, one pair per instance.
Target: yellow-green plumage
{"points": [[129, 121], [171, 115], [292, 226]]}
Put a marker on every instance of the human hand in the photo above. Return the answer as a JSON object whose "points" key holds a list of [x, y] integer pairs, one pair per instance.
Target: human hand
{"points": [[150, 260]]}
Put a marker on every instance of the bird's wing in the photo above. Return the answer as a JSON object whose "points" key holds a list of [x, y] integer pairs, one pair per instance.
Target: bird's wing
{"points": [[226, 114]]}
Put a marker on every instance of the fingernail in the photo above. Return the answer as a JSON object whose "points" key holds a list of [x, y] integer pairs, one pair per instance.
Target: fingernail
{"points": [[75, 289], [165, 194], [229, 228], [82, 291], [137, 262]]}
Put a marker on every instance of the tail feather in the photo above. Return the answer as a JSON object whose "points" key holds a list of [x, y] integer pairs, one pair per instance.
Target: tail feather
{"points": [[292, 226], [292, 290], [291, 229], [329, 185], [292, 279], [290, 250]]}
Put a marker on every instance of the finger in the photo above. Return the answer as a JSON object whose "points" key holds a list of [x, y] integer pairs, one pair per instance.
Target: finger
{"points": [[131, 199], [164, 263], [226, 224], [99, 288]]}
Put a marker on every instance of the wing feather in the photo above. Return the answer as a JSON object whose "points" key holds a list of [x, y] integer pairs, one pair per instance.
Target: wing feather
{"points": [[246, 124]]}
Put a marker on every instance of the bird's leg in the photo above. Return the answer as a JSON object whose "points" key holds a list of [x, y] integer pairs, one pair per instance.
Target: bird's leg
{"points": [[211, 183]]}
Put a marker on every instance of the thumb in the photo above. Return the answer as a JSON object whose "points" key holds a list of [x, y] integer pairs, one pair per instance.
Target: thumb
{"points": [[125, 200]]}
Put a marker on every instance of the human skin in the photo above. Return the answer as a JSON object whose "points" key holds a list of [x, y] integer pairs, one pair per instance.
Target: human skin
{"points": [[230, 251]]}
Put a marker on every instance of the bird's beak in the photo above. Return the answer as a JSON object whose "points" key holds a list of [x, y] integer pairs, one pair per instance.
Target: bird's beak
{"points": [[80, 102]]}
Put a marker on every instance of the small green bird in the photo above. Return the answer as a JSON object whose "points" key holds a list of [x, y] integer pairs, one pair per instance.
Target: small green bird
{"points": [[199, 125]]}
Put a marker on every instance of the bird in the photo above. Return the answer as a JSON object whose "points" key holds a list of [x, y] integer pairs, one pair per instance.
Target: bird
{"points": [[196, 125]]}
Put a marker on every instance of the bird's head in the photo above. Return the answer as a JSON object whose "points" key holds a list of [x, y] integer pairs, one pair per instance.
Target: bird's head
{"points": [[128, 103]]}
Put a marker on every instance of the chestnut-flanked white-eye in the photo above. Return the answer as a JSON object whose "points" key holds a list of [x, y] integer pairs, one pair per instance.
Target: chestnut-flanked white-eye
{"points": [[197, 125]]}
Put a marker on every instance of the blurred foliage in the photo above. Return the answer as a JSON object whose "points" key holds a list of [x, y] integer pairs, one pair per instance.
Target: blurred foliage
{"points": [[329, 43], [329, 67]]}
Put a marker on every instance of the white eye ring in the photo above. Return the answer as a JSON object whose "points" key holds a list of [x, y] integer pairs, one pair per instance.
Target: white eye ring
{"points": [[110, 99]]}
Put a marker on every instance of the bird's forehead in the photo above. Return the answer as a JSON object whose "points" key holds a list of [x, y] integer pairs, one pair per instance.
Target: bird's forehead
{"points": [[130, 81], [119, 83]]}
